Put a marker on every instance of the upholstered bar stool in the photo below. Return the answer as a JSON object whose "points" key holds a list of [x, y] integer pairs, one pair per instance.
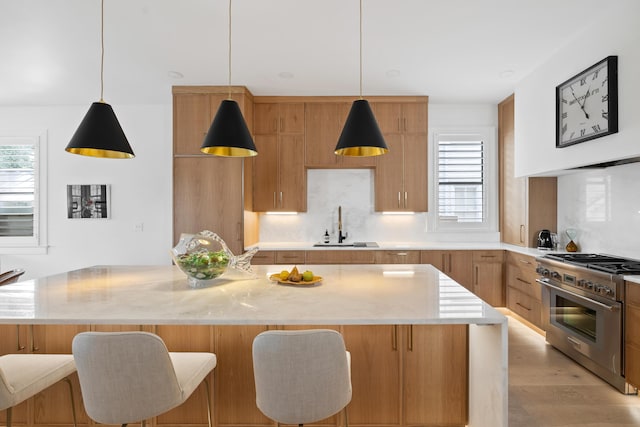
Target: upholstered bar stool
{"points": [[301, 376], [130, 377], [25, 375]]}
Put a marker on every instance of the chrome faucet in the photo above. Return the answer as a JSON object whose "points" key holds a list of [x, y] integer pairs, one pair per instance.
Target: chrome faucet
{"points": [[341, 237]]}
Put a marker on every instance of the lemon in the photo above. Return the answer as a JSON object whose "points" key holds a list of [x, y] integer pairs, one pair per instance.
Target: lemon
{"points": [[307, 276], [284, 275]]}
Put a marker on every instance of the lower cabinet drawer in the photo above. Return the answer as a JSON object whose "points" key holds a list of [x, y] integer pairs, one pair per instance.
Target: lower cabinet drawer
{"points": [[524, 306], [264, 258], [632, 365], [290, 257], [397, 257], [524, 281]]}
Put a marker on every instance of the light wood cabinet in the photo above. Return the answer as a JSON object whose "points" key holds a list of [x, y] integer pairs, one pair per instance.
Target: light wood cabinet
{"points": [[523, 293], [264, 258], [280, 182], [401, 174], [396, 117], [397, 257], [456, 264], [235, 392], [340, 256], [488, 277], [208, 191], [434, 383], [323, 125], [376, 367], [632, 334], [527, 205], [279, 174]]}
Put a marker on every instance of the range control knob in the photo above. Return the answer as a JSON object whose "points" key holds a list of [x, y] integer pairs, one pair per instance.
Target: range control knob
{"points": [[581, 283], [555, 275], [589, 285]]}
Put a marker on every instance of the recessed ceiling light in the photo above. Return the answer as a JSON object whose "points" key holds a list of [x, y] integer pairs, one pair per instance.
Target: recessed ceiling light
{"points": [[175, 74], [285, 75]]}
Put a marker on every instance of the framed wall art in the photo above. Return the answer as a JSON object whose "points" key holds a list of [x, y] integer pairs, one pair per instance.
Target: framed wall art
{"points": [[91, 201]]}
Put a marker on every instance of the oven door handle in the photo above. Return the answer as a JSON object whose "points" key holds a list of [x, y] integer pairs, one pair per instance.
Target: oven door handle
{"points": [[605, 306]]}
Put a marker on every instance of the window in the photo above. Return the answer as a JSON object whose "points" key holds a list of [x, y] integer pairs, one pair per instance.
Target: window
{"points": [[464, 180], [21, 191]]}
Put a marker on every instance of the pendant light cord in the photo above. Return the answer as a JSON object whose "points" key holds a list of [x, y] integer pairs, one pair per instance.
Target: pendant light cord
{"points": [[360, 49], [101, 51], [229, 49]]}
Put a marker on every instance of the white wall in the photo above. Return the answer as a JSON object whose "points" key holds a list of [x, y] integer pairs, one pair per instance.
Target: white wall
{"points": [[353, 190], [604, 206], [618, 34], [140, 190]]}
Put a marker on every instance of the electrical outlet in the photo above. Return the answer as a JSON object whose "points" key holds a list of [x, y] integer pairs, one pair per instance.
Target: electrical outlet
{"points": [[139, 227]]}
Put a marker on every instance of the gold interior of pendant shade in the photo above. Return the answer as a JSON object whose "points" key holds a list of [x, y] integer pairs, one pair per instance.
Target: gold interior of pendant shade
{"points": [[361, 136]]}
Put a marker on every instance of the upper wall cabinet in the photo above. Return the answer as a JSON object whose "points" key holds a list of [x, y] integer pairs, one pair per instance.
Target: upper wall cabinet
{"points": [[527, 205], [323, 125], [401, 174], [279, 178]]}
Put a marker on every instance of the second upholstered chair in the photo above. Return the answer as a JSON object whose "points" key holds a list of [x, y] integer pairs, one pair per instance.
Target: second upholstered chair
{"points": [[130, 377], [301, 376]]}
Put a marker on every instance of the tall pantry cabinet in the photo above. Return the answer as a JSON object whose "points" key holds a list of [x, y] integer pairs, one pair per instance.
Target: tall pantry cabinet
{"points": [[527, 205], [209, 191]]}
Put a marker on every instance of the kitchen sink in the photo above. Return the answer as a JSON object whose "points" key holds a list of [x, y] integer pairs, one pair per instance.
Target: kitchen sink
{"points": [[347, 245]]}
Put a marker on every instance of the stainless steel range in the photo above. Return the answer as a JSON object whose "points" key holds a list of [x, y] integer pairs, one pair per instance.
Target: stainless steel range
{"points": [[583, 310]]}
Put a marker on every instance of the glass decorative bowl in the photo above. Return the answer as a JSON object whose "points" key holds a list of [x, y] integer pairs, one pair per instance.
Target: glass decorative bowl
{"points": [[205, 257]]}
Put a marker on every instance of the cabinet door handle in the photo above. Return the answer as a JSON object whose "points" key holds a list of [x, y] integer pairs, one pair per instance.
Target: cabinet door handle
{"points": [[399, 127], [275, 205], [475, 278], [523, 281], [405, 199], [20, 347], [34, 348], [281, 125], [520, 305], [521, 233], [410, 340], [281, 199], [487, 256], [401, 254], [405, 124], [524, 261], [394, 338], [444, 266], [449, 263]]}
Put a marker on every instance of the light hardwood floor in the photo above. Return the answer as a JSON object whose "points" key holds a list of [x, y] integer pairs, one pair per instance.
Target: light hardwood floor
{"points": [[547, 389]]}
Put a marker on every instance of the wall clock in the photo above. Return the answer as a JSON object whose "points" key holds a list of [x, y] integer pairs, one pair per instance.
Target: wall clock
{"points": [[587, 104]]}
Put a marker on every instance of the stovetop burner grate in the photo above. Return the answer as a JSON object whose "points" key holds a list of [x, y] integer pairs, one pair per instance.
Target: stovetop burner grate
{"points": [[606, 263]]}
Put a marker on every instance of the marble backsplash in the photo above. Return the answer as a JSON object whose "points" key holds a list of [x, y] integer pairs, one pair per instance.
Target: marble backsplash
{"points": [[603, 205]]}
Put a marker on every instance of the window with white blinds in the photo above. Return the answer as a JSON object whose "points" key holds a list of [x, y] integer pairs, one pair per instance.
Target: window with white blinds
{"points": [[20, 191], [464, 180], [461, 180], [17, 190]]}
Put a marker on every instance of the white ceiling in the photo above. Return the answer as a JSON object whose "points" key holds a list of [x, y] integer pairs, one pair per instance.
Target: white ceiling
{"points": [[467, 51]]}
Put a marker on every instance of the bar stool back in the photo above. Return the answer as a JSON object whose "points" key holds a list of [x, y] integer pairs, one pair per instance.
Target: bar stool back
{"points": [[130, 377], [301, 376]]}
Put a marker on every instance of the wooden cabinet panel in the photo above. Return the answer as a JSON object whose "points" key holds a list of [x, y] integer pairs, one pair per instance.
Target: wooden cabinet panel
{"points": [[456, 264], [235, 392], [264, 258], [488, 277], [273, 118], [521, 274], [14, 339], [525, 306], [292, 176], [265, 170], [415, 172], [632, 334], [204, 201], [340, 256], [401, 117], [397, 257], [435, 382], [290, 257], [192, 118], [375, 374]]}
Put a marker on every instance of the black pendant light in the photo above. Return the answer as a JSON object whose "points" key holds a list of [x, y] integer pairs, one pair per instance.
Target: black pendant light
{"points": [[229, 135], [361, 135], [99, 133]]}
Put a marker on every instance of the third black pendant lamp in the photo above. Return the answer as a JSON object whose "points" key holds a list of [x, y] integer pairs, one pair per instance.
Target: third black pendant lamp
{"points": [[361, 135], [228, 135], [99, 133]]}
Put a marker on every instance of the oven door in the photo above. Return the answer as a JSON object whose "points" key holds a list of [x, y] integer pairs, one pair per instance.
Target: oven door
{"points": [[583, 328]]}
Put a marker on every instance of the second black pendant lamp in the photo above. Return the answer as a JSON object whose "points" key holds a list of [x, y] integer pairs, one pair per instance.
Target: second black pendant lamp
{"points": [[361, 135], [100, 133], [229, 135]]}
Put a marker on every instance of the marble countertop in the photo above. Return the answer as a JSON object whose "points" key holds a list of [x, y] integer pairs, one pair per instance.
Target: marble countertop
{"points": [[308, 246], [348, 294]]}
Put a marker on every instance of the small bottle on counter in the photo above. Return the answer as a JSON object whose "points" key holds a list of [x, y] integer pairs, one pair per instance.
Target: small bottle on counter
{"points": [[326, 236]]}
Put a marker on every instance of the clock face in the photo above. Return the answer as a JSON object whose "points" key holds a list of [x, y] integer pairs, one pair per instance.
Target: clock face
{"points": [[584, 103]]}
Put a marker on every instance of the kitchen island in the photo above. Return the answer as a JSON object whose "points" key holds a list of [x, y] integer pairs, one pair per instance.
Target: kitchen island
{"points": [[400, 298]]}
